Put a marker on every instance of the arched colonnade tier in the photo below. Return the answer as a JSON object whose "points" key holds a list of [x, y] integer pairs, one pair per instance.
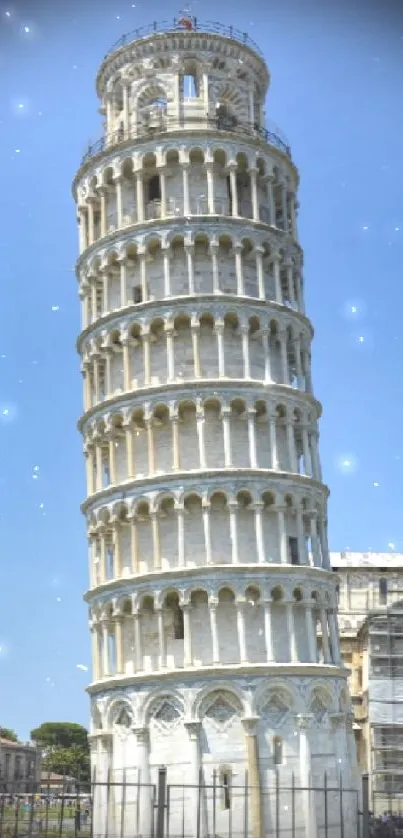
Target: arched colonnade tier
{"points": [[177, 183], [191, 346], [279, 700], [201, 526], [244, 623], [161, 266], [197, 433]]}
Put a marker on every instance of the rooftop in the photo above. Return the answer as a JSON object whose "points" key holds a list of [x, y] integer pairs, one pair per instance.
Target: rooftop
{"points": [[367, 560]]}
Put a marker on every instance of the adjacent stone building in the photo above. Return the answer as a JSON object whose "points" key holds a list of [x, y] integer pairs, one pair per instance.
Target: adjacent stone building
{"points": [[371, 635], [206, 511], [20, 767]]}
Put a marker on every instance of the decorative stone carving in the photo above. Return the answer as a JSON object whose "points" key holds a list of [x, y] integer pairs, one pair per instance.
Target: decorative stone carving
{"points": [[123, 718], [165, 715], [276, 708], [221, 711], [318, 709]]}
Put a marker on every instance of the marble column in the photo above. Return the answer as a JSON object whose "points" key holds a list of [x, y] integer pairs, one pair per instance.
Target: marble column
{"points": [[255, 201], [338, 722], [311, 633], [258, 508], [267, 630], [186, 195], [167, 269], [214, 631], [252, 436], [233, 189], [214, 249], [206, 528], [240, 290], [187, 636], [169, 331], [193, 729], [210, 188], [305, 767], [325, 636], [252, 749], [225, 417], [161, 638], [119, 644], [282, 536], [240, 616], [144, 789], [233, 511], [96, 663]]}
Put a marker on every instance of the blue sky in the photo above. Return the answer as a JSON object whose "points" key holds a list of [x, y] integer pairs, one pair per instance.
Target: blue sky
{"points": [[336, 93]]}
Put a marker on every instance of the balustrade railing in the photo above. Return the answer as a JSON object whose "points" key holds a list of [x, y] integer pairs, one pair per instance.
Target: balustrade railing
{"points": [[186, 24], [160, 123]]}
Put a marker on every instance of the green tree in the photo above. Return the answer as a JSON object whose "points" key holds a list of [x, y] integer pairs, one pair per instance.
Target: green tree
{"points": [[64, 747], [7, 733]]}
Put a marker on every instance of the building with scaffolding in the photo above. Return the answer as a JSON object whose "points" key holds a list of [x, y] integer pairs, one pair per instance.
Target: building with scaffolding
{"points": [[371, 641]]}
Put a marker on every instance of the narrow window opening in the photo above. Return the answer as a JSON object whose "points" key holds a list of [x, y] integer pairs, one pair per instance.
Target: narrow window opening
{"points": [[278, 750], [154, 188], [179, 632], [226, 788], [110, 555], [190, 86], [293, 549], [229, 193], [137, 294], [383, 590]]}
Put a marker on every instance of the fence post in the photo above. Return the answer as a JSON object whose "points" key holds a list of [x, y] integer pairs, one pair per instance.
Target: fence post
{"points": [[161, 801], [365, 806]]}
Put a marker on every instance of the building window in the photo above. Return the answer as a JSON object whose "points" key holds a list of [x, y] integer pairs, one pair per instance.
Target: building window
{"points": [[277, 750], [190, 86], [17, 768], [154, 188], [383, 590], [293, 549], [178, 624], [225, 782], [137, 294]]}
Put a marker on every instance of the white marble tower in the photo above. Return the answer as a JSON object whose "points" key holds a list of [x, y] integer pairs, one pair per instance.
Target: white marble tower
{"points": [[209, 569]]}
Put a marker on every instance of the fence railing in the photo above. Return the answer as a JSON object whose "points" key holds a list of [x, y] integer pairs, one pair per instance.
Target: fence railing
{"points": [[183, 24], [165, 125], [127, 808], [121, 806]]}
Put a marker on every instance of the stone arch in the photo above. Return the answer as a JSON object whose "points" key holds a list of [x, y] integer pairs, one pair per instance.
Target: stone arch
{"points": [[231, 103], [226, 587], [155, 702], [196, 153], [320, 701], [219, 154], [119, 704], [274, 701], [151, 95], [208, 693]]}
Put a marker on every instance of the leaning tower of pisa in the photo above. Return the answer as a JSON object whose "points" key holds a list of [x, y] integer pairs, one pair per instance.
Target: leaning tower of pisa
{"points": [[212, 604]]}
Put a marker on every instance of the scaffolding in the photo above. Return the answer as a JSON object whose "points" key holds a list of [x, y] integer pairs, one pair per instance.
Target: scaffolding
{"points": [[383, 639]]}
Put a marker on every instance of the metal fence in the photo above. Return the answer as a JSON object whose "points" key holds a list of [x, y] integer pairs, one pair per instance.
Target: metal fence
{"points": [[179, 25], [272, 135], [131, 809]]}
